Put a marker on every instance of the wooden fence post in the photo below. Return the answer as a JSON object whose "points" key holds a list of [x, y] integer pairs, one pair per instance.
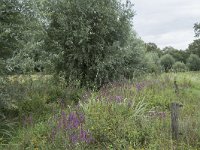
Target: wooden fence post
{"points": [[174, 120], [176, 87]]}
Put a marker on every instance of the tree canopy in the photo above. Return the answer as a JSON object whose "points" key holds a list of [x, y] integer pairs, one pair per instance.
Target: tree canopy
{"points": [[93, 38]]}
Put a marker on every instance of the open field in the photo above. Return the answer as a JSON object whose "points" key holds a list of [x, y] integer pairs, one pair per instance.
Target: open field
{"points": [[47, 114]]}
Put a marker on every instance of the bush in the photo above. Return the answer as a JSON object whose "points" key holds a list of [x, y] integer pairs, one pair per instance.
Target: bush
{"points": [[167, 62], [117, 125], [2, 67], [193, 62], [179, 67]]}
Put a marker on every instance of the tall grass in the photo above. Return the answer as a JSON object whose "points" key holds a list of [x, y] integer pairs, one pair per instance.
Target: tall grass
{"points": [[121, 115]]}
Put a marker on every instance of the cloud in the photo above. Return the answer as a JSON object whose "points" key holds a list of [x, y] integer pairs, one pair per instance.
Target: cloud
{"points": [[166, 22]]}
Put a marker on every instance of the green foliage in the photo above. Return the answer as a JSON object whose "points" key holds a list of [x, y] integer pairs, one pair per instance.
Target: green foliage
{"points": [[167, 62], [194, 47], [179, 67], [153, 48], [124, 115], [179, 55], [153, 63], [119, 125], [5, 99], [193, 62], [22, 36], [11, 19], [197, 29], [33, 106], [96, 43], [6, 129]]}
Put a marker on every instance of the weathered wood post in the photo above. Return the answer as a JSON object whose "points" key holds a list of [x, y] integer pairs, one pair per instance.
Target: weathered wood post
{"points": [[176, 87], [174, 120]]}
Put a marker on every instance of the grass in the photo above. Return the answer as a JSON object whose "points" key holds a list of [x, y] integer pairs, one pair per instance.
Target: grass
{"points": [[121, 115]]}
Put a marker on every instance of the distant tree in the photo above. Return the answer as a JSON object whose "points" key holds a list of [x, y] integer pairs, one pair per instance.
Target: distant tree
{"points": [[194, 47], [167, 62], [153, 48], [197, 29], [179, 67], [179, 55], [193, 62], [153, 63]]}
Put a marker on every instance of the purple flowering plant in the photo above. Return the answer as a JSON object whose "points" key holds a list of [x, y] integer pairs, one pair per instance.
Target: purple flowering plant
{"points": [[71, 127]]}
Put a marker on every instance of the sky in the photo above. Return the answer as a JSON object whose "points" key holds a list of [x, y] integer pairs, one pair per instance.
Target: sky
{"points": [[166, 22]]}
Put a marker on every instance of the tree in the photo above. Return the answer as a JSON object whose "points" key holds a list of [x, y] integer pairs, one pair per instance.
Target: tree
{"points": [[167, 62], [153, 48], [194, 47], [197, 29], [179, 67], [179, 55], [25, 50], [153, 63], [11, 21], [91, 36], [193, 62]]}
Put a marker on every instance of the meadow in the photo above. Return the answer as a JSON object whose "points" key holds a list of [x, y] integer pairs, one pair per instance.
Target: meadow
{"points": [[45, 113]]}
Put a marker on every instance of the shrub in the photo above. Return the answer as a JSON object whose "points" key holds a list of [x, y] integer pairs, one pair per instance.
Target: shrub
{"points": [[179, 67], [117, 125], [193, 62], [167, 62]]}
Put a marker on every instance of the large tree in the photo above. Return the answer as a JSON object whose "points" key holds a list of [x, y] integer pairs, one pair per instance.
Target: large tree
{"points": [[92, 37]]}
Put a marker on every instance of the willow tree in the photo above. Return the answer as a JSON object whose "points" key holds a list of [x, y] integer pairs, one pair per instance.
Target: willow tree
{"points": [[92, 38]]}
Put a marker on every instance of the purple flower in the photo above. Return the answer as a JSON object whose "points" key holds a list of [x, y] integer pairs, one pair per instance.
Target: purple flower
{"points": [[53, 134], [140, 86], [73, 120], [118, 99], [64, 119], [83, 135], [73, 138]]}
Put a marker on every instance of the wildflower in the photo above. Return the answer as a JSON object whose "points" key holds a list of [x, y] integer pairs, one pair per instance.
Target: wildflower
{"points": [[73, 120], [140, 86], [83, 135], [53, 134], [64, 119], [118, 99], [73, 138]]}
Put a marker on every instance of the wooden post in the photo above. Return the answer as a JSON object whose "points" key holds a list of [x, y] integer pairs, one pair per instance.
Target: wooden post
{"points": [[174, 120], [176, 87]]}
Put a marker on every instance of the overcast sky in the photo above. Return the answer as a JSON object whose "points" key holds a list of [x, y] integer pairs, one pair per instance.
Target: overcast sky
{"points": [[166, 22]]}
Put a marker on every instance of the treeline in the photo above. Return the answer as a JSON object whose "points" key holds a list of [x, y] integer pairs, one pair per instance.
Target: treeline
{"points": [[171, 59], [91, 42]]}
